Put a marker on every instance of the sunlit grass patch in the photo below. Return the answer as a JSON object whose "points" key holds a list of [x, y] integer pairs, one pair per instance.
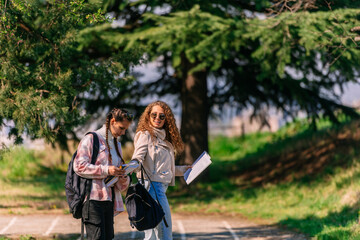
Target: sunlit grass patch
{"points": [[320, 196], [26, 184]]}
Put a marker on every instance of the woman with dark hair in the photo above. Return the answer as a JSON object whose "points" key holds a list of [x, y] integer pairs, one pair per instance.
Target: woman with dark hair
{"points": [[105, 201], [156, 142]]}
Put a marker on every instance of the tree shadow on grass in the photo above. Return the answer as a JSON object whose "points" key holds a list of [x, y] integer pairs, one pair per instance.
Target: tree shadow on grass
{"points": [[25, 200], [335, 221], [301, 158], [207, 193], [259, 231]]}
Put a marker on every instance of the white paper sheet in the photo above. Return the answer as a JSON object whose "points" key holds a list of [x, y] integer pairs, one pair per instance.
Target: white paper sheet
{"points": [[130, 167], [198, 167]]}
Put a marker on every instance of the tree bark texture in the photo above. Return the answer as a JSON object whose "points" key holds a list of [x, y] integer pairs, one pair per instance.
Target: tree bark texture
{"points": [[194, 117]]}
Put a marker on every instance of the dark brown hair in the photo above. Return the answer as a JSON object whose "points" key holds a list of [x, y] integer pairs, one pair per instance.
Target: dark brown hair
{"points": [[119, 115]]}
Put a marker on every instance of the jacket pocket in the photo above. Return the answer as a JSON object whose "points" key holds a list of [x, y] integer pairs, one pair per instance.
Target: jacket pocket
{"points": [[165, 173]]}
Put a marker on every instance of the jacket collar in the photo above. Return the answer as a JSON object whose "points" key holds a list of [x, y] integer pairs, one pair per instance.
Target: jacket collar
{"points": [[102, 132]]}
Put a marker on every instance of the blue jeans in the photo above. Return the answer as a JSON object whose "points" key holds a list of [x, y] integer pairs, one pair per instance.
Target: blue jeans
{"points": [[161, 232]]}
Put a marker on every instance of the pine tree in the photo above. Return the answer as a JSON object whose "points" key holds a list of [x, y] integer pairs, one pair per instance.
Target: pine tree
{"points": [[287, 54], [51, 83]]}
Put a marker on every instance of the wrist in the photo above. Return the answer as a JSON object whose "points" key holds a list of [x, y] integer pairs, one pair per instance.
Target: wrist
{"points": [[105, 170]]}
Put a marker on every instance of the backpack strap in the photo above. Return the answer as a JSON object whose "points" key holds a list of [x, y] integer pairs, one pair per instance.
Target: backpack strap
{"points": [[143, 182], [82, 229], [96, 144]]}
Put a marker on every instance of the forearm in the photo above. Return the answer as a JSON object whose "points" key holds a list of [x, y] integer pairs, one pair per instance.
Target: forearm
{"points": [[87, 170], [82, 162], [180, 170]]}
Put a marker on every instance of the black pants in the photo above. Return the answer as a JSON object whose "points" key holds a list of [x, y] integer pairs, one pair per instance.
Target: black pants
{"points": [[98, 217]]}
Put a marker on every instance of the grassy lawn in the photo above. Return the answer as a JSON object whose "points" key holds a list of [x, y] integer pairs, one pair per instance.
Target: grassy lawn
{"points": [[304, 180], [27, 184]]}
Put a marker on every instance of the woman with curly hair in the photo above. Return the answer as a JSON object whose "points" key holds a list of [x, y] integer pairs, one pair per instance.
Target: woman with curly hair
{"points": [[156, 142]]}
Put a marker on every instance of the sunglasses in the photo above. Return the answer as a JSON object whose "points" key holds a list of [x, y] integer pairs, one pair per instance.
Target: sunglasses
{"points": [[160, 115], [127, 115]]}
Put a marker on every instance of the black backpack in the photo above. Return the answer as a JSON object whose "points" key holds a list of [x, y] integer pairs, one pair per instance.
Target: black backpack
{"points": [[76, 187], [144, 212]]}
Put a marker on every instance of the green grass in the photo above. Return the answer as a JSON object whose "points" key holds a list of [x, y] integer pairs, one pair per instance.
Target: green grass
{"points": [[246, 150], [27, 184], [323, 204]]}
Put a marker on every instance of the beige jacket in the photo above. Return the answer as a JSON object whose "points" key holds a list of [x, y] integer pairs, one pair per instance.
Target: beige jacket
{"points": [[157, 157]]}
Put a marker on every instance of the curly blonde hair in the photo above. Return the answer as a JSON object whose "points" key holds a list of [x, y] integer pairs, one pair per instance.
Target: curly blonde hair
{"points": [[172, 132]]}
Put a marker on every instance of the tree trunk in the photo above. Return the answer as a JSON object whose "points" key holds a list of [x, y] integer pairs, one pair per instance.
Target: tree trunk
{"points": [[195, 110]]}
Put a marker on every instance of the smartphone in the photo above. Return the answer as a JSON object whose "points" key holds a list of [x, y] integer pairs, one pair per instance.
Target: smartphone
{"points": [[123, 166]]}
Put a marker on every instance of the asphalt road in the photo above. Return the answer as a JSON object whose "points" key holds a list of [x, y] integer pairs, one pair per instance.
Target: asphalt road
{"points": [[194, 227]]}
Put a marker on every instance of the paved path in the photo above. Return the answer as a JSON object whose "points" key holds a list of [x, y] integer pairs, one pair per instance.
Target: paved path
{"points": [[192, 227]]}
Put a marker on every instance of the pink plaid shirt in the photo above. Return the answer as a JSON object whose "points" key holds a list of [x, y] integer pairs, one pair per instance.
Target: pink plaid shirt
{"points": [[98, 171]]}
